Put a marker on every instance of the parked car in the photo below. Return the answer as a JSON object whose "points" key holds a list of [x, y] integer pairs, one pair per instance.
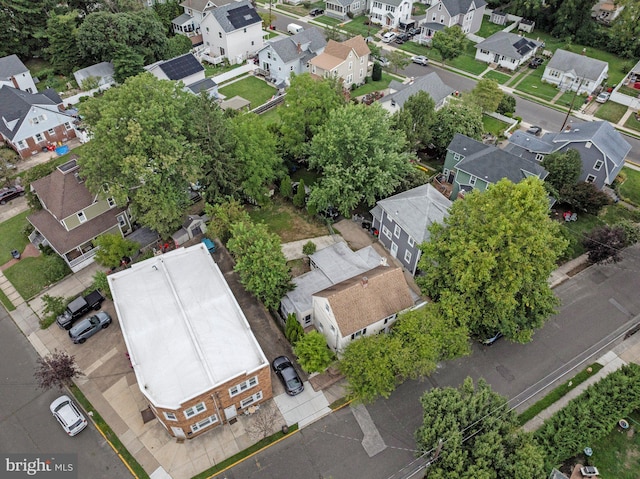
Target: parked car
{"points": [[536, 62], [603, 97], [401, 38], [534, 130], [68, 415], [420, 60], [89, 326], [388, 37], [79, 307], [7, 194], [413, 31], [314, 12], [288, 375], [382, 61]]}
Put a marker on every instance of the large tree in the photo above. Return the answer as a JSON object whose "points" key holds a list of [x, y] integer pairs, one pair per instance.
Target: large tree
{"points": [[489, 263], [416, 120], [572, 20], [564, 169], [449, 42], [260, 262], [62, 51], [307, 106], [486, 94], [456, 117], [397, 60], [256, 152], [24, 24], [471, 433], [360, 156], [139, 150]]}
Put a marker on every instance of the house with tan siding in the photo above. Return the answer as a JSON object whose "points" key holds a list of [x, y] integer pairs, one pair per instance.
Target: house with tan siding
{"points": [[348, 60]]}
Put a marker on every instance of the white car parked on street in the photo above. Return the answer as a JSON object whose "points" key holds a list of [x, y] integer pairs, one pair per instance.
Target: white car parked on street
{"points": [[68, 415]]}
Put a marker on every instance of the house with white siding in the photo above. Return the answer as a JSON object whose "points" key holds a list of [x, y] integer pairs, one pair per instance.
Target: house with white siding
{"points": [[575, 72], [15, 74], [389, 13]]}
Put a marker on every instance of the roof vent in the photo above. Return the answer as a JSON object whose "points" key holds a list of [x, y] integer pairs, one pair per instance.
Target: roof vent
{"points": [[364, 281]]}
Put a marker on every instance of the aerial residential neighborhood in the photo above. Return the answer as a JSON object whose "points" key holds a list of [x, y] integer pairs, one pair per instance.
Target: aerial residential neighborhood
{"points": [[347, 238]]}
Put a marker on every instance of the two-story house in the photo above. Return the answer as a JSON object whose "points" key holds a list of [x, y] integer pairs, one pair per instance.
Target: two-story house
{"points": [[194, 355], [188, 23], [389, 13], [284, 56], [348, 60], [403, 221], [470, 165], [363, 305], [601, 147], [30, 122], [340, 9], [506, 50], [467, 14], [233, 31], [72, 217], [574, 72], [15, 74], [431, 83]]}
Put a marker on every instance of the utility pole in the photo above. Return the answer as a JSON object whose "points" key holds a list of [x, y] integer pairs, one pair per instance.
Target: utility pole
{"points": [[575, 94]]}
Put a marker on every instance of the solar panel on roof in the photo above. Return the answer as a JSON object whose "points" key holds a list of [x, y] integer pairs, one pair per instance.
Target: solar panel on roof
{"points": [[181, 67], [242, 16]]}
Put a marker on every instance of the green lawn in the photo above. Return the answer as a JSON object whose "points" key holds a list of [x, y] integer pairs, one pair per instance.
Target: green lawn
{"points": [[357, 27], [611, 112], [287, 221], [251, 88], [493, 125], [501, 78], [487, 29], [567, 98], [27, 276], [416, 49], [632, 123], [12, 236], [373, 86], [467, 61], [295, 9], [577, 230], [329, 21], [618, 454], [271, 116], [533, 85], [8, 305], [630, 189], [419, 9], [632, 92], [612, 214]]}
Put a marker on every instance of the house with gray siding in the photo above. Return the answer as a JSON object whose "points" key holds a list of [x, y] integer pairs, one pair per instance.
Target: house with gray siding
{"points": [[472, 165], [280, 58], [507, 50], [572, 71], [399, 92], [15, 74], [467, 14], [403, 222], [601, 147]]}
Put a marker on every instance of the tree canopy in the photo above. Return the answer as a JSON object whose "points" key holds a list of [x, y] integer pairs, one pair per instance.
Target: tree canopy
{"points": [[139, 149], [416, 119], [475, 435], [564, 168], [489, 263], [456, 117], [486, 94], [449, 42], [360, 156]]}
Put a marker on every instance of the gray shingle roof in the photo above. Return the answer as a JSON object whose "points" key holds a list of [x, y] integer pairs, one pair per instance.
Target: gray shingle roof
{"points": [[344, 3], [508, 44], [310, 40], [431, 83], [236, 15], [583, 66], [456, 7], [11, 66], [202, 85], [15, 105], [465, 146], [491, 164], [416, 209], [100, 71]]}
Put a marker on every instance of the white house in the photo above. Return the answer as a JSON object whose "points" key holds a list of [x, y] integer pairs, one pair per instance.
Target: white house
{"points": [[467, 14], [194, 11], [507, 50], [571, 71], [389, 13], [233, 31], [102, 72], [13, 73], [399, 93], [195, 357], [284, 56]]}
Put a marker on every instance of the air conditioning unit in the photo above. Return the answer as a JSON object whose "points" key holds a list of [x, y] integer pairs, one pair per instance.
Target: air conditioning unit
{"points": [[589, 471]]}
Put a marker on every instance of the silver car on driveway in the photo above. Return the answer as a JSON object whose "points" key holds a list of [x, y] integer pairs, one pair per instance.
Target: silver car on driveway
{"points": [[89, 326]]}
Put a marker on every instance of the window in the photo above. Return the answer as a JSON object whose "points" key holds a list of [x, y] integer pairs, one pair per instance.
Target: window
{"points": [[411, 242], [269, 55], [457, 156], [68, 126], [195, 410], [82, 217], [361, 73], [111, 202], [590, 178], [350, 65], [320, 326], [22, 145], [121, 221], [598, 165], [51, 131], [243, 386], [361, 60], [221, 51], [333, 330], [386, 232], [349, 79], [291, 68], [252, 42], [307, 319], [207, 29], [219, 34], [170, 416], [472, 180], [396, 231], [439, 6], [326, 306], [356, 6], [244, 30], [389, 318], [39, 138], [357, 334], [250, 400], [204, 423], [407, 256]]}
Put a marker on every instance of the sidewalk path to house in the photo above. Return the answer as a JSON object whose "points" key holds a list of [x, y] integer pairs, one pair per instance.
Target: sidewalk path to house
{"points": [[293, 250]]}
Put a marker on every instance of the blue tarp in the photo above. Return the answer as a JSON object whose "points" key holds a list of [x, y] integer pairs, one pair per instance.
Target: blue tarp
{"points": [[61, 150]]}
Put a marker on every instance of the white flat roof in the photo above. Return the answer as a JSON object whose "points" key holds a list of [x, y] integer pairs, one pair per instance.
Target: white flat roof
{"points": [[183, 328]]}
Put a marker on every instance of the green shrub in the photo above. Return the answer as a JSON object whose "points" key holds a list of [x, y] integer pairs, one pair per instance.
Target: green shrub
{"points": [[100, 283], [286, 190], [293, 329], [309, 248], [313, 354], [300, 197], [53, 307]]}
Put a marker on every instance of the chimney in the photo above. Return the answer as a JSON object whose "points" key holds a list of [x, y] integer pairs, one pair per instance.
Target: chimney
{"points": [[364, 281], [299, 49]]}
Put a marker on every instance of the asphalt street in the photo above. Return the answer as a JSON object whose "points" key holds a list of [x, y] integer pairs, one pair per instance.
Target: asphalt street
{"points": [[27, 426], [598, 306]]}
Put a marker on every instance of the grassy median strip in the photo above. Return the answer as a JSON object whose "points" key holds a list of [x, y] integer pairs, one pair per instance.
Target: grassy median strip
{"points": [[244, 454], [558, 392], [6, 302], [125, 455]]}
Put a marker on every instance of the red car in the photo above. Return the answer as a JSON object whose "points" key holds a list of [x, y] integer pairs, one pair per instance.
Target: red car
{"points": [[7, 194]]}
